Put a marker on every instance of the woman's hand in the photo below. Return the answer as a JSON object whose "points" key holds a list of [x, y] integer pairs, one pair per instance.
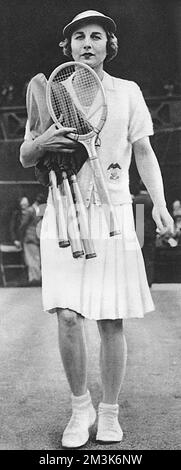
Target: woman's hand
{"points": [[163, 220], [55, 139]]}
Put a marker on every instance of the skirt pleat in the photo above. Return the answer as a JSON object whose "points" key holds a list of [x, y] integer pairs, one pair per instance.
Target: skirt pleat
{"points": [[111, 286]]}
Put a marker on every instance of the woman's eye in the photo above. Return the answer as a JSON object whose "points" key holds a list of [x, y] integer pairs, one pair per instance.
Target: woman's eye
{"points": [[96, 37]]}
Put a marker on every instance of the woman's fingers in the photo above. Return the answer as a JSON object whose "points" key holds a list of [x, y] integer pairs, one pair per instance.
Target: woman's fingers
{"points": [[56, 138], [64, 130], [59, 149], [64, 150], [60, 145], [160, 227]]}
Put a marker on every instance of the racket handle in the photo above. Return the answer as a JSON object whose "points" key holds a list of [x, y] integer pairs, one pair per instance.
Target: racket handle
{"points": [[83, 221], [73, 228], [88, 248], [59, 211], [103, 191]]}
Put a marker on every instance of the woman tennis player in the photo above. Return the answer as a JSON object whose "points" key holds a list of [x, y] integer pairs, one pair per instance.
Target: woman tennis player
{"points": [[112, 286]]}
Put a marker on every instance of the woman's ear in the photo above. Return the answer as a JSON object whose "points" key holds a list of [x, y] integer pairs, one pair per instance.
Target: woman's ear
{"points": [[66, 47]]}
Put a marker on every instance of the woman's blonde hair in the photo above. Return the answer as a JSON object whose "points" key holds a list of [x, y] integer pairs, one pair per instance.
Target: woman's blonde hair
{"points": [[112, 46]]}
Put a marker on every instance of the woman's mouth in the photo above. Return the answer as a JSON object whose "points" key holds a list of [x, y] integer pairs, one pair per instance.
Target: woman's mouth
{"points": [[87, 55]]}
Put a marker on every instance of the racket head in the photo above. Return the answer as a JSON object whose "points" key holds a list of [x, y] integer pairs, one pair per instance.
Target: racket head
{"points": [[76, 98]]}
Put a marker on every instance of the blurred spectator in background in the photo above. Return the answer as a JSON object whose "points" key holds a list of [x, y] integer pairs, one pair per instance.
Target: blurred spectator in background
{"points": [[7, 94], [16, 219], [31, 244], [177, 223], [176, 208], [148, 248]]}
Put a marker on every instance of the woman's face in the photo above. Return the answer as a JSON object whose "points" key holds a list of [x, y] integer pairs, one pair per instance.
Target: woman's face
{"points": [[88, 45]]}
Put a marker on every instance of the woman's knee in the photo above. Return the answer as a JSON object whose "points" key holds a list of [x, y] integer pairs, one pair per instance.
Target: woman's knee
{"points": [[107, 327], [68, 318]]}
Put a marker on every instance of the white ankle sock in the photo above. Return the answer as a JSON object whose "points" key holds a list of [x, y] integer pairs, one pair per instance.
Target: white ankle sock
{"points": [[81, 399], [109, 406]]}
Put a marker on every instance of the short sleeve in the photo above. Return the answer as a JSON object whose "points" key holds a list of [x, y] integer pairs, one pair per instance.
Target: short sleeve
{"points": [[27, 135], [140, 122]]}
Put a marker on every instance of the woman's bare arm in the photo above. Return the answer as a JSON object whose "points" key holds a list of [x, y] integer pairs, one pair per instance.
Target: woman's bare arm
{"points": [[150, 174], [53, 139]]}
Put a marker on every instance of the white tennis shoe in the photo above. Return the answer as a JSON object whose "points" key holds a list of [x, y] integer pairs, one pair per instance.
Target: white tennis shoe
{"points": [[109, 429], [76, 433]]}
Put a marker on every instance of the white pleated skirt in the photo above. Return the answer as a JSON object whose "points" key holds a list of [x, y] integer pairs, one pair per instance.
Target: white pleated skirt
{"points": [[110, 286]]}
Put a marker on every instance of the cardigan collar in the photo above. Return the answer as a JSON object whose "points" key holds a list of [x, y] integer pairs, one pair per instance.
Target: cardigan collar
{"points": [[107, 81]]}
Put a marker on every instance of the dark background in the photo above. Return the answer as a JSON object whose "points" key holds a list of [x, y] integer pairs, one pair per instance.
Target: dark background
{"points": [[30, 31]]}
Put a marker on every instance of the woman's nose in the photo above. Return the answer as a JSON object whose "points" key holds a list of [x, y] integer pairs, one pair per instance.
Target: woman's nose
{"points": [[87, 43]]}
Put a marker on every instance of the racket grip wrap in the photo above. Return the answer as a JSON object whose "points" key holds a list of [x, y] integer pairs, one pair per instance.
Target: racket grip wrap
{"points": [[114, 233], [88, 248], [63, 243], [91, 255]]}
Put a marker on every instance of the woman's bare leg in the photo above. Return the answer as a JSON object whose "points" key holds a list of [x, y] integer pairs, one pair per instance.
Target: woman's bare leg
{"points": [[113, 356], [72, 345]]}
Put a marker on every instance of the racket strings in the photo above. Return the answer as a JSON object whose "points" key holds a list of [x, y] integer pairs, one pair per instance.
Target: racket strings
{"points": [[85, 87], [65, 110], [73, 88]]}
